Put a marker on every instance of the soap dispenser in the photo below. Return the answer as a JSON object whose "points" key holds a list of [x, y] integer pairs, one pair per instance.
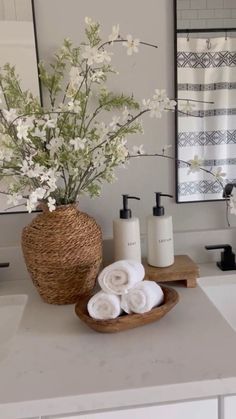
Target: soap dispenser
{"points": [[160, 248], [126, 234]]}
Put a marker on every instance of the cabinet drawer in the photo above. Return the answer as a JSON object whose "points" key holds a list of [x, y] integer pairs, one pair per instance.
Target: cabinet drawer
{"points": [[202, 409], [230, 407]]}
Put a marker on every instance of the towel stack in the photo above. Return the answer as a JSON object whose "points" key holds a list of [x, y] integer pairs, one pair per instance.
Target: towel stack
{"points": [[123, 288]]}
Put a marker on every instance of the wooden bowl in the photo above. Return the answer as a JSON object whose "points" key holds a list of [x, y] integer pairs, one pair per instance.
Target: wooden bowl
{"points": [[127, 321]]}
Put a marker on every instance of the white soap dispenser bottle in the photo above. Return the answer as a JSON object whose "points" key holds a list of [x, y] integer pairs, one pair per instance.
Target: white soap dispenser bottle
{"points": [[160, 247], [126, 234]]}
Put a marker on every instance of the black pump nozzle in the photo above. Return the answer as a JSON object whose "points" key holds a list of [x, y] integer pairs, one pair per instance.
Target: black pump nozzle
{"points": [[158, 209], [126, 212]]}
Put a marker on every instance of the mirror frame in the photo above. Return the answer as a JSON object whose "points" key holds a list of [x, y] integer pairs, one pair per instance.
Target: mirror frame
{"points": [[40, 91], [176, 118], [36, 49]]}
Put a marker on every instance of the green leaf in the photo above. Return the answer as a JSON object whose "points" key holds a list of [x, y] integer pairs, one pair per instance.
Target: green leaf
{"points": [[92, 33], [109, 101]]}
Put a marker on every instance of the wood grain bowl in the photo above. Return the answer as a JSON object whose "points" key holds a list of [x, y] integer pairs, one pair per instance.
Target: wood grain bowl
{"points": [[127, 321]]}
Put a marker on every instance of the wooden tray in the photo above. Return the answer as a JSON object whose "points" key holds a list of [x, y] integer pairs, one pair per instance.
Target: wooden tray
{"points": [[183, 269], [127, 321]]}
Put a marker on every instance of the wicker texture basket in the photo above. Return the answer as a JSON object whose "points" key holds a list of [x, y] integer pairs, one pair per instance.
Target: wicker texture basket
{"points": [[63, 254]]}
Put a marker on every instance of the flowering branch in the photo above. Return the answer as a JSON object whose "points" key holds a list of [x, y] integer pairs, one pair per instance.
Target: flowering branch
{"points": [[123, 40], [53, 154], [194, 165]]}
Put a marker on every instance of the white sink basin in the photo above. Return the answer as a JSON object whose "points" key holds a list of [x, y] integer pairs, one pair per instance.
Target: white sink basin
{"points": [[11, 311], [221, 290]]}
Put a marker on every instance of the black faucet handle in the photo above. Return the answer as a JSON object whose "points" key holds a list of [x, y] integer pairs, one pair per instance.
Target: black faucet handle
{"points": [[227, 262], [4, 264], [219, 246]]}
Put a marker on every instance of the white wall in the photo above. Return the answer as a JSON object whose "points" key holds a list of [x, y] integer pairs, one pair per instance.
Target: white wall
{"points": [[151, 20], [17, 47], [16, 10]]}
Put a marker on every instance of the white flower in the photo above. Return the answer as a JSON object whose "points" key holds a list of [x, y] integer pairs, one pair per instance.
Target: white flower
{"points": [[219, 174], [89, 21], [114, 122], [54, 145], [36, 171], [41, 192], [22, 131], [50, 122], [74, 106], [78, 143], [131, 44], [146, 103], [97, 76], [39, 133], [34, 197], [138, 150], [104, 57], [156, 109], [91, 54], [10, 115], [170, 104], [114, 34], [51, 204], [125, 114], [46, 175], [75, 78], [14, 199], [160, 95], [28, 169], [25, 167], [187, 107], [121, 152], [195, 164], [30, 206], [50, 177], [38, 194]]}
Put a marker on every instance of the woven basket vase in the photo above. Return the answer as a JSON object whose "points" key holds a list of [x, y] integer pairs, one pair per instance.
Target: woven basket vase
{"points": [[63, 254]]}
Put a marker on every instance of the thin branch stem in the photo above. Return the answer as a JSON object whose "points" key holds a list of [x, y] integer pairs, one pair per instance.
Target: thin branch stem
{"points": [[195, 100], [189, 114], [125, 40], [178, 161]]}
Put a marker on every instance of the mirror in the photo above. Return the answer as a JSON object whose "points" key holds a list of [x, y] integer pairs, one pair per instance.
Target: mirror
{"points": [[206, 77], [18, 47]]}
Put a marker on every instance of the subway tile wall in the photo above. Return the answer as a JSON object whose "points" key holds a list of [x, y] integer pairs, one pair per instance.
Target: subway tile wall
{"points": [[206, 14]]}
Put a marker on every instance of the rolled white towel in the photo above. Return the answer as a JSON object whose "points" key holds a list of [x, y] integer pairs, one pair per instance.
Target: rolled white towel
{"points": [[103, 306], [120, 276], [142, 297]]}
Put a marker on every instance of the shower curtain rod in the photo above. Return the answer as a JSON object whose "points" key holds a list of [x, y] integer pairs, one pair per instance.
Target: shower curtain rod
{"points": [[206, 30]]}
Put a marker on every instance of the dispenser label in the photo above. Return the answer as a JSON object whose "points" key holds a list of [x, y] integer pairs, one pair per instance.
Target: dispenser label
{"points": [[165, 240]]}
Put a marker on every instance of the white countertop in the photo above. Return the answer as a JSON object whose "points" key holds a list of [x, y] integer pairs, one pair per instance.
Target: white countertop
{"points": [[58, 365]]}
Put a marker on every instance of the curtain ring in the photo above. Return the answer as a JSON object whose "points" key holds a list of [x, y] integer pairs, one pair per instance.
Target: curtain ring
{"points": [[187, 36], [226, 35], [208, 42]]}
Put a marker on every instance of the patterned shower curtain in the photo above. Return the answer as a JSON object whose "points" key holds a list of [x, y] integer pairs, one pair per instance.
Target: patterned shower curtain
{"points": [[206, 72]]}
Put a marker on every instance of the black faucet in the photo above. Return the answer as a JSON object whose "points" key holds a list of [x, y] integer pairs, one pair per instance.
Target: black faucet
{"points": [[4, 264], [227, 262], [228, 190]]}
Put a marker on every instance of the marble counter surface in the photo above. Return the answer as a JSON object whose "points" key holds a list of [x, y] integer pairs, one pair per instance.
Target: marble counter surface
{"points": [[58, 365]]}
